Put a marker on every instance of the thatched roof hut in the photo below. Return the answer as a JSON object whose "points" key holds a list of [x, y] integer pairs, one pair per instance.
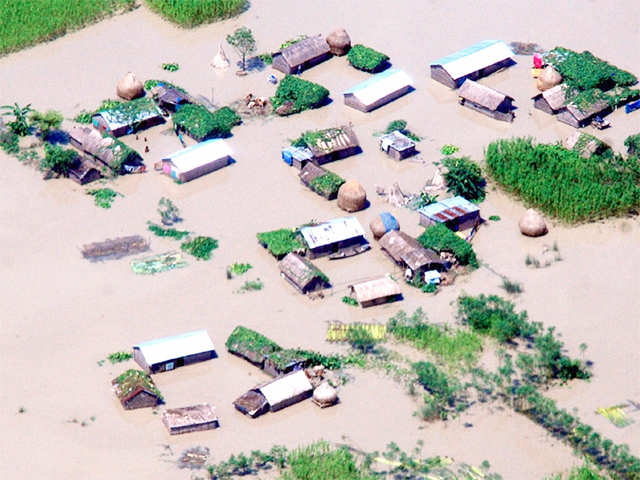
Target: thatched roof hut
{"points": [[550, 101], [190, 419], [486, 100], [85, 171], [339, 42], [532, 224], [375, 292], [407, 252], [170, 99], [129, 87], [108, 150], [333, 143], [302, 55], [302, 274], [135, 389], [553, 102], [352, 196]]}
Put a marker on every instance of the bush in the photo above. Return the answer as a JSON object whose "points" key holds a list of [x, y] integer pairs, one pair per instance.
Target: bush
{"points": [[464, 178], [46, 122], [436, 382], [320, 461], [59, 160], [200, 247], [441, 239], [302, 94], [401, 126], [448, 149], [243, 338], [83, 117], [280, 242], [149, 84], [563, 184], [167, 232], [350, 301], [10, 142], [361, 339], [191, 13], [201, 124], [367, 59], [632, 142], [103, 197], [119, 357], [171, 67], [327, 184]]}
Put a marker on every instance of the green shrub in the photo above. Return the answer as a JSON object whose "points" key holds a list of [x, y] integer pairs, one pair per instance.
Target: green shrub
{"points": [[103, 197], [83, 117], [200, 247], [448, 149], [201, 124], [632, 142], [494, 218], [251, 285], [441, 239], [367, 59], [327, 184], [350, 301], [464, 178], [171, 67], [292, 41], [119, 357], [302, 94], [46, 122], [167, 232], [149, 84], [563, 184], [10, 142], [280, 242], [320, 461], [267, 58], [240, 268], [20, 124], [401, 126], [436, 382], [361, 339], [245, 339], [511, 286], [59, 160], [553, 363], [191, 13]]}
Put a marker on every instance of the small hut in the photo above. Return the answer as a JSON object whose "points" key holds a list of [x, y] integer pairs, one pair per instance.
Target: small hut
{"points": [[85, 171], [128, 117], [197, 160], [407, 252], [352, 196], [397, 145], [107, 150], [338, 238], [302, 55], [135, 389], [586, 145], [287, 390], [167, 353], [550, 101], [339, 42], [252, 404], [129, 87], [250, 345], [285, 361], [170, 99], [457, 213], [486, 100], [333, 144], [383, 223], [378, 90], [195, 418], [375, 292], [579, 117], [302, 274]]}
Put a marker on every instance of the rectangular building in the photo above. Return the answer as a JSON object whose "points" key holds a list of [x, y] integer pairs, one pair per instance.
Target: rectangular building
{"points": [[338, 237], [375, 292], [200, 159], [378, 90], [167, 353], [486, 100], [457, 213]]}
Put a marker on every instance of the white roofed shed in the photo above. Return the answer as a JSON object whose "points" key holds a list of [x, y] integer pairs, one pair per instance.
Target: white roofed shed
{"points": [[167, 353]]}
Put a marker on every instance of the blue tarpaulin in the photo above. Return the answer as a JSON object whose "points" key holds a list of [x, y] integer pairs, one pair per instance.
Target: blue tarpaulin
{"points": [[389, 221], [633, 106]]}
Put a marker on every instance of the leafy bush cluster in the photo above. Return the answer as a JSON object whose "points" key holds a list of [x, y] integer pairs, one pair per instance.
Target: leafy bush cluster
{"points": [[191, 13], [20, 124], [200, 247], [327, 184], [563, 184], [280, 242], [170, 232], [441, 239], [149, 84], [201, 124], [367, 59], [350, 301], [464, 178], [442, 389], [240, 268], [584, 472], [300, 94], [292, 41], [171, 67], [449, 149], [119, 357], [245, 339], [632, 142], [103, 197], [401, 126], [59, 160]]}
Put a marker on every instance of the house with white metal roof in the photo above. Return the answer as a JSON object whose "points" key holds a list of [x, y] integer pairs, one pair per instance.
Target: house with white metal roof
{"points": [[200, 159], [340, 237], [167, 353], [379, 90], [476, 61], [287, 390], [457, 213]]}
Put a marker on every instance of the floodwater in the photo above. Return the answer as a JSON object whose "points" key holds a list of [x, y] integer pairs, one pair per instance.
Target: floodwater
{"points": [[63, 314]]}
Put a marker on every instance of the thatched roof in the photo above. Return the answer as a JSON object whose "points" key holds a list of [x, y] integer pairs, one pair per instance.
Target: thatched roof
{"points": [[310, 172], [131, 383], [482, 95], [108, 150], [583, 143], [373, 289], [334, 140], [555, 97], [406, 249], [162, 93], [586, 112], [305, 50], [299, 270], [189, 416]]}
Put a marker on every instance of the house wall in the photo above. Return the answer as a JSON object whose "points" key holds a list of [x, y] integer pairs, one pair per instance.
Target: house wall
{"points": [[439, 74], [351, 101], [486, 71], [506, 117], [204, 169], [401, 155], [380, 301], [174, 363], [334, 247], [541, 104], [565, 117], [139, 358], [290, 401], [331, 156], [292, 282], [141, 400], [193, 428], [312, 62]]}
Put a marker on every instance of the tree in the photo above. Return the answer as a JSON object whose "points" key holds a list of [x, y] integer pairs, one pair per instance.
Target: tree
{"points": [[360, 338], [169, 212], [464, 178], [243, 42], [19, 125], [58, 160], [46, 122]]}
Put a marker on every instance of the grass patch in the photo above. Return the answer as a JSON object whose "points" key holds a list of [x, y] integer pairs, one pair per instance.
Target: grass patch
{"points": [[104, 197], [299, 94], [441, 239], [367, 59], [170, 232], [251, 286], [200, 247], [449, 149], [327, 184], [280, 242], [119, 357], [511, 286], [191, 13], [350, 301], [201, 124]]}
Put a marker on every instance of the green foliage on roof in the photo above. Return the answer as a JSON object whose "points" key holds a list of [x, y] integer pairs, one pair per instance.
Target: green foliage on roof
{"points": [[292, 41], [128, 112], [149, 84], [327, 184], [201, 124], [302, 94], [441, 239], [367, 59], [246, 340], [128, 381], [280, 242], [315, 138]]}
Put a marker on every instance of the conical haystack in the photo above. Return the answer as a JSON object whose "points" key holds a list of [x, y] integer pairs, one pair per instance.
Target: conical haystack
{"points": [[339, 42], [532, 224], [548, 78], [383, 223], [325, 395], [129, 87], [220, 61], [352, 196]]}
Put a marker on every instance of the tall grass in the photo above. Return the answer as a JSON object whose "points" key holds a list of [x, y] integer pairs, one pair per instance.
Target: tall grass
{"points": [[190, 13], [27, 22]]}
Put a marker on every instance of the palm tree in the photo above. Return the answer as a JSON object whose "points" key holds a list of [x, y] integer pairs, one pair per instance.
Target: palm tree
{"points": [[19, 125]]}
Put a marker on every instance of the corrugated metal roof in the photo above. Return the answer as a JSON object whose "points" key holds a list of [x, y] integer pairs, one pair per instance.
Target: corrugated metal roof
{"points": [[336, 230], [115, 121], [474, 58], [380, 85], [168, 348], [286, 387], [378, 288], [449, 209], [200, 154], [397, 140]]}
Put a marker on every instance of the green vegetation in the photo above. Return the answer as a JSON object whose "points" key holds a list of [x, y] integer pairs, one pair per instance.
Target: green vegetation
{"points": [[83, 117], [455, 348], [511, 286], [20, 124], [169, 212], [267, 58], [585, 140], [320, 461], [350, 301], [367, 59], [240, 268], [422, 199], [243, 42], [103, 197], [191, 13], [149, 84], [632, 142], [448, 149], [441, 239], [246, 340], [361, 339], [132, 379], [299, 94], [46, 122], [58, 160], [292, 41], [251, 285], [327, 184], [10, 143], [315, 138], [131, 112], [401, 126], [280, 242], [563, 184], [167, 232], [119, 357], [26, 23], [494, 218], [171, 67], [585, 472], [201, 124], [441, 389], [464, 178], [200, 247]]}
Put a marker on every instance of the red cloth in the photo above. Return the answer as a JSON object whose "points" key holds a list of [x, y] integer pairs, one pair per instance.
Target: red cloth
{"points": [[537, 61]]}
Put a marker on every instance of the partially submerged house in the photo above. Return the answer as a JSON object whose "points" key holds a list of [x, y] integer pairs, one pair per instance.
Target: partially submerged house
{"points": [[135, 389], [338, 238], [457, 213], [302, 55], [297, 157], [486, 100], [285, 361], [378, 90], [167, 353], [407, 252], [170, 99], [114, 248], [128, 117], [550, 101], [553, 102], [190, 419], [85, 171], [476, 61], [302, 274], [333, 144], [197, 160], [107, 150], [376, 291], [397, 145], [250, 345]]}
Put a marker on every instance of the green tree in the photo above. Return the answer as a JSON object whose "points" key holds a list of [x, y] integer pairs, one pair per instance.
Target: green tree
{"points": [[243, 42], [360, 338], [19, 125], [464, 178], [58, 160], [46, 122]]}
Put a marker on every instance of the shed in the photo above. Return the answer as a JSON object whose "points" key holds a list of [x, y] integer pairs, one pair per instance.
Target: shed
{"points": [[286, 390], [333, 143], [486, 100], [118, 124], [397, 145], [375, 292], [252, 403], [190, 419], [135, 389], [310, 172], [85, 171], [302, 55], [579, 117], [407, 252], [457, 213], [197, 160], [302, 274], [340, 237], [476, 61], [296, 156], [250, 345], [107, 150], [167, 353], [170, 99], [285, 361], [378, 90], [550, 101]]}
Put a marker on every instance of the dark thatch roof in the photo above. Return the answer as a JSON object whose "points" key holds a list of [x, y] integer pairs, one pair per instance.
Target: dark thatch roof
{"points": [[555, 97], [310, 172], [305, 50], [299, 270], [406, 249], [481, 95], [334, 140]]}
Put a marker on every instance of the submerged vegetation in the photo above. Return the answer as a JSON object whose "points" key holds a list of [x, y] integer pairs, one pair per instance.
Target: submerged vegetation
{"points": [[58, 160], [464, 178], [327, 184], [299, 95], [170, 232], [441, 239], [201, 124], [401, 126], [367, 59], [191, 13], [200, 247], [280, 242]]}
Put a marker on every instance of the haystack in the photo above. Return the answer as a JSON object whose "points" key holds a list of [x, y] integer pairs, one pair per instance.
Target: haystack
{"points": [[220, 61], [325, 395], [549, 78], [383, 223], [339, 42], [532, 224], [129, 87], [352, 196]]}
